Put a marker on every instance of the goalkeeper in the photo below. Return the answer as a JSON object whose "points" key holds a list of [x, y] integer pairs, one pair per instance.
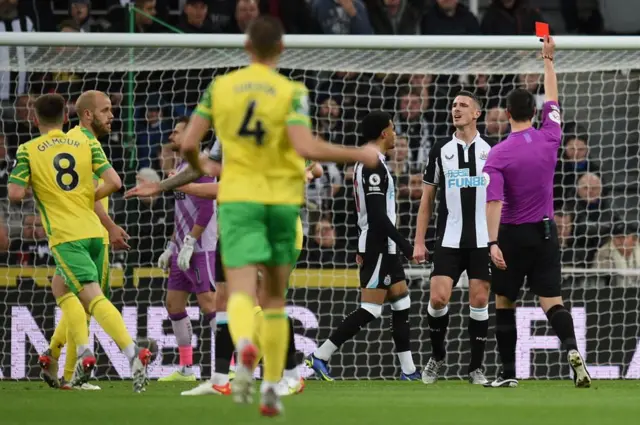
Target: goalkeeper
{"points": [[94, 111], [291, 383]]}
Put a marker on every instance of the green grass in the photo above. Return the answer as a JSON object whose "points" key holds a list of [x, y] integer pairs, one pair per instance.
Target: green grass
{"points": [[338, 403]]}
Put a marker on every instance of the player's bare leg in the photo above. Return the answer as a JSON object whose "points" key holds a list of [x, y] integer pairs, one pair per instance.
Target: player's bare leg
{"points": [[242, 283], [438, 320], [398, 297], [478, 328], [371, 301], [110, 319], [176, 302], [274, 337], [562, 323]]}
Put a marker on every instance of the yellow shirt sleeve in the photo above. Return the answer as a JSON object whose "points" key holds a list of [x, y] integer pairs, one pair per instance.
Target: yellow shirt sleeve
{"points": [[205, 107], [99, 160], [299, 109], [21, 173]]}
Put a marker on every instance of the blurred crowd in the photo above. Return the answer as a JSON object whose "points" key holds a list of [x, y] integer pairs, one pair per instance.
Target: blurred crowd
{"points": [[592, 233]]}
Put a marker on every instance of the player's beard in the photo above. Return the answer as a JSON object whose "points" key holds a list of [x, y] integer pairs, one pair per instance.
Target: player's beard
{"points": [[98, 128]]}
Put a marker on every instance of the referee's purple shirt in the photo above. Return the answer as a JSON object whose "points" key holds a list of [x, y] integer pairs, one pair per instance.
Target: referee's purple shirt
{"points": [[520, 170]]}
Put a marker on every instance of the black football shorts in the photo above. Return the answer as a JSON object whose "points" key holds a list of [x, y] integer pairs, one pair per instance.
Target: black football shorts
{"points": [[380, 271]]}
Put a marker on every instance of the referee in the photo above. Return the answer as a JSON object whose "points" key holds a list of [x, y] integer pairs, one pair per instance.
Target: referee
{"points": [[523, 238]]}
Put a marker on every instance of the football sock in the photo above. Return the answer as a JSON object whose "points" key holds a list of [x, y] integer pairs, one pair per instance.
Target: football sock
{"points": [[110, 319], [438, 321], [224, 346], [562, 323], [183, 332], [275, 338], [478, 329], [241, 317], [77, 329], [401, 332], [506, 338], [59, 338], [349, 327], [291, 363], [258, 327], [72, 355]]}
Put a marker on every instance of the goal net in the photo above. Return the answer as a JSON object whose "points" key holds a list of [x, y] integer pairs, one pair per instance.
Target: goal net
{"points": [[152, 80]]}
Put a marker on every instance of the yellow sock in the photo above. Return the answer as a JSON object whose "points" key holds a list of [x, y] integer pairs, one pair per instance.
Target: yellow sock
{"points": [[72, 356], [74, 314], [110, 319], [275, 340], [241, 317], [257, 330], [59, 338]]}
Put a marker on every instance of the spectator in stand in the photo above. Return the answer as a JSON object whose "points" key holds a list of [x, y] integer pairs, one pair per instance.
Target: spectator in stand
{"points": [[24, 130], [149, 223], [496, 125], [40, 13], [533, 84], [510, 17], [142, 19], [195, 18], [328, 118], [5, 166], [449, 17], [594, 218], [151, 132], [572, 164], [399, 164], [400, 17], [320, 251], [80, 13], [295, 15], [245, 12], [620, 16], [410, 121], [564, 223], [585, 19], [32, 249], [13, 84], [622, 251], [321, 191], [342, 17]]}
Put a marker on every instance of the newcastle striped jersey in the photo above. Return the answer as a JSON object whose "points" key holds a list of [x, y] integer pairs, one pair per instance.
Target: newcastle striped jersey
{"points": [[456, 168], [375, 196]]}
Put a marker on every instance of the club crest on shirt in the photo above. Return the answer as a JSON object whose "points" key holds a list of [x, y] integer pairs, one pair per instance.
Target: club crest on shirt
{"points": [[484, 155], [387, 280]]}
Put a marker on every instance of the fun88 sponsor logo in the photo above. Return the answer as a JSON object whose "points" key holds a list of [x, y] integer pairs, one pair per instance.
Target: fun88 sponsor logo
{"points": [[461, 179]]}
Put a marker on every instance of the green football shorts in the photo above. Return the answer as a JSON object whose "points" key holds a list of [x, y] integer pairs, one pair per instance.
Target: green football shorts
{"points": [[105, 282], [81, 262], [253, 233]]}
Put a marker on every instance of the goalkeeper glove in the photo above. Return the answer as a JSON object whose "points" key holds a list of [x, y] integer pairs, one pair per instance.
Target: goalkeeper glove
{"points": [[184, 257], [165, 258]]}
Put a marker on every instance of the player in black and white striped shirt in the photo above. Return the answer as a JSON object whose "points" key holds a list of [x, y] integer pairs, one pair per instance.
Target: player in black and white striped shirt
{"points": [[381, 269], [455, 167]]}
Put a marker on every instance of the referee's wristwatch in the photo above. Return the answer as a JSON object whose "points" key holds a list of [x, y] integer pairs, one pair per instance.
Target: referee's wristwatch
{"points": [[492, 243]]}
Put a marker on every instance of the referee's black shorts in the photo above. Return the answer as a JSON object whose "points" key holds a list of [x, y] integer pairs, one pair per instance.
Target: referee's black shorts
{"points": [[219, 271], [528, 255], [451, 262]]}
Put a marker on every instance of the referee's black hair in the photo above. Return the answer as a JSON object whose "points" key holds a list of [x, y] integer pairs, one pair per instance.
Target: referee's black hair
{"points": [[521, 105], [472, 95], [374, 124], [50, 109], [183, 119]]}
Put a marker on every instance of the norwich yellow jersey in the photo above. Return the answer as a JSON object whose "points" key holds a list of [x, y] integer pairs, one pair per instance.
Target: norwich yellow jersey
{"points": [[250, 110], [81, 133], [60, 170]]}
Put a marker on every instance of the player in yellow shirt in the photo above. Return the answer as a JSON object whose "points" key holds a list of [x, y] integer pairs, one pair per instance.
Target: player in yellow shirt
{"points": [[261, 119], [60, 171], [95, 115]]}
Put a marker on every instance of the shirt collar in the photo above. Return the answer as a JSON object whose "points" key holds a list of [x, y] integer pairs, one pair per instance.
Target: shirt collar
{"points": [[463, 143]]}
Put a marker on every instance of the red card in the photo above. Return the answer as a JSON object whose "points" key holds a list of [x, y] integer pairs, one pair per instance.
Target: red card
{"points": [[542, 29]]}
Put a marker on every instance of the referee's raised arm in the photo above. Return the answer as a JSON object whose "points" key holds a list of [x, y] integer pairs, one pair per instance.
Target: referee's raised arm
{"points": [[550, 78]]}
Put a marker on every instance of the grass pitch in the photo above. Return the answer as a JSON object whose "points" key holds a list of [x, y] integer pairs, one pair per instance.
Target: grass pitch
{"points": [[325, 403]]}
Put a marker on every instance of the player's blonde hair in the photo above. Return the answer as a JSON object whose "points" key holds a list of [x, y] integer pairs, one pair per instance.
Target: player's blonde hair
{"points": [[87, 101]]}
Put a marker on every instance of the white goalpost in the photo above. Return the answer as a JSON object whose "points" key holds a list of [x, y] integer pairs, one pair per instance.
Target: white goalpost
{"points": [[153, 79]]}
